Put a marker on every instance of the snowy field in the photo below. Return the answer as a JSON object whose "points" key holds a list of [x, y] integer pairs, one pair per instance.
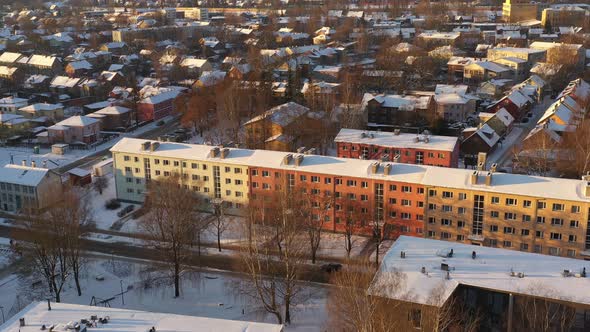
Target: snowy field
{"points": [[213, 294]]}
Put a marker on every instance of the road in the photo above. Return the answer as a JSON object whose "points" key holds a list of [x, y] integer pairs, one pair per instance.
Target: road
{"points": [[310, 272]]}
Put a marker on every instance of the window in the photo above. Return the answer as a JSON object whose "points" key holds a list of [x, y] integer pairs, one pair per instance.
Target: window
{"points": [[128, 169], [351, 196], [493, 228], [511, 201], [461, 210], [227, 181], [365, 184], [338, 181], [303, 178], [460, 224], [237, 170], [447, 208], [315, 179], [406, 202], [571, 253], [253, 172], [266, 186], [432, 193], [494, 214], [176, 163], [227, 169], [575, 209], [540, 220], [572, 238], [327, 180], [406, 216], [238, 182], [431, 206], [415, 316], [495, 200], [351, 183], [126, 158], [431, 234], [558, 207], [462, 196], [392, 187], [392, 214], [509, 230], [406, 189], [205, 178], [130, 190], [553, 251], [166, 173], [493, 243], [166, 162], [524, 247], [507, 244], [460, 237], [574, 224], [265, 174], [555, 236], [556, 221], [129, 180], [445, 235], [526, 203], [539, 234], [541, 205], [526, 218], [538, 248], [421, 191], [228, 193], [509, 216], [254, 184], [446, 222], [431, 220], [524, 232], [364, 198], [204, 167], [392, 201]]}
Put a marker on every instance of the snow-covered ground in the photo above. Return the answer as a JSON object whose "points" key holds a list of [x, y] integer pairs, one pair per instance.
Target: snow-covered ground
{"points": [[213, 294], [103, 217]]}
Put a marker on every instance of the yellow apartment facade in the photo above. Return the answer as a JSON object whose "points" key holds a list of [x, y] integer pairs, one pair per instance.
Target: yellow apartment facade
{"points": [[201, 168], [488, 212]]}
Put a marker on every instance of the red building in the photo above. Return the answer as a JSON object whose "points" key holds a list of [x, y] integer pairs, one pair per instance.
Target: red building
{"points": [[400, 147], [156, 107], [346, 197]]}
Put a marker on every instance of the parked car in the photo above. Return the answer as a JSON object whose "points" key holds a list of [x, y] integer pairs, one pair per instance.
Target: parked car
{"points": [[125, 210], [331, 267]]}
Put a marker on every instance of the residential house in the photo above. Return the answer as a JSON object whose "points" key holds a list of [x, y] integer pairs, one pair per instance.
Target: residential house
{"points": [[78, 68], [194, 67], [156, 103], [387, 112], [113, 117], [12, 104], [44, 65], [53, 112], [28, 187], [480, 71], [453, 102], [74, 130]]}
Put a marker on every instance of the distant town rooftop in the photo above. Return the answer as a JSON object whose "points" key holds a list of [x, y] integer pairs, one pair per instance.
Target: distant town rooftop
{"points": [[397, 139], [508, 271], [63, 315]]}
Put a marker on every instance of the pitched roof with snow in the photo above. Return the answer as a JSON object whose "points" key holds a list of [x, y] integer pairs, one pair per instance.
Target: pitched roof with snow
{"points": [[283, 115], [77, 121]]}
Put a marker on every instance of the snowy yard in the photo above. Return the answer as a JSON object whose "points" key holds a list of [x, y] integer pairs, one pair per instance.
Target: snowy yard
{"points": [[102, 217], [213, 294]]}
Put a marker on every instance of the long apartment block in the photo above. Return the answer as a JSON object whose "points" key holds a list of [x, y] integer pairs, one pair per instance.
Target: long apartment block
{"points": [[482, 207]]}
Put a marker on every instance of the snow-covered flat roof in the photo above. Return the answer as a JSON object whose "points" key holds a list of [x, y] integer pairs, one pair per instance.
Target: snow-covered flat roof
{"points": [[23, 175], [122, 320], [401, 140], [491, 269], [455, 178]]}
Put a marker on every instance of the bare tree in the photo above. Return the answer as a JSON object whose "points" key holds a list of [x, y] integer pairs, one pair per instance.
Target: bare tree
{"points": [[314, 210], [352, 308], [220, 221], [539, 313], [273, 260], [100, 183], [172, 222]]}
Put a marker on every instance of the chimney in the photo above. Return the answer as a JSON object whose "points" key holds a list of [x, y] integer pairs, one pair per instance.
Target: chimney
{"points": [[385, 157], [396, 132], [482, 158], [213, 153], [145, 146], [396, 158], [224, 153], [374, 167], [287, 159], [301, 149], [33, 164], [154, 146], [426, 139], [298, 160], [24, 163], [587, 189], [310, 151], [474, 176], [21, 322], [489, 179], [387, 169], [416, 139], [480, 166], [363, 135], [493, 168]]}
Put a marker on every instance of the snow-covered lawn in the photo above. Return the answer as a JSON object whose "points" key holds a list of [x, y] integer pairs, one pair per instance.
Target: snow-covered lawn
{"points": [[214, 294], [102, 217]]}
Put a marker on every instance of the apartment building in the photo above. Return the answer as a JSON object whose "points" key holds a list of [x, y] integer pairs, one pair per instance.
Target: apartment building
{"points": [[514, 11], [406, 148], [519, 212], [203, 169], [28, 186], [526, 213]]}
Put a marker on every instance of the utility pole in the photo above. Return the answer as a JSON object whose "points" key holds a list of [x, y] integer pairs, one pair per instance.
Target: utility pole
{"points": [[122, 294]]}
